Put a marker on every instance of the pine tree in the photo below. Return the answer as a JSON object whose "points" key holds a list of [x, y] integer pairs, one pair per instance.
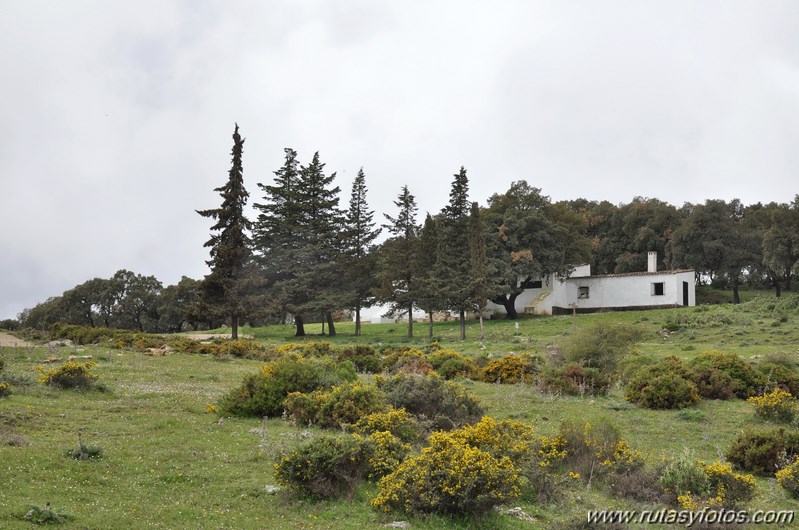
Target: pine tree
{"points": [[275, 234], [453, 270], [230, 245], [396, 267], [314, 287], [429, 299], [480, 281], [358, 260]]}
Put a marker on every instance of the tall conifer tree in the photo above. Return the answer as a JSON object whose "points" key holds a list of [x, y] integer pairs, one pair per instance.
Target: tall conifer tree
{"points": [[396, 263], [230, 244], [358, 260]]}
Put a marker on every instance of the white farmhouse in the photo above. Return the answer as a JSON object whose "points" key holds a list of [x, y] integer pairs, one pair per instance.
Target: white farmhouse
{"points": [[585, 293]]}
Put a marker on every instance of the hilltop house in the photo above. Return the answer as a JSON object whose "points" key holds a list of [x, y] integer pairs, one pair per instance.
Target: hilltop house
{"points": [[585, 293]]}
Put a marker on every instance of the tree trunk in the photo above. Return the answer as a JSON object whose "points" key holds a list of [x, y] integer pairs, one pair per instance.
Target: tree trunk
{"points": [[777, 291], [509, 303], [481, 324], [357, 320], [430, 324], [788, 280], [331, 326], [300, 326], [410, 320], [736, 297], [463, 325], [234, 326]]}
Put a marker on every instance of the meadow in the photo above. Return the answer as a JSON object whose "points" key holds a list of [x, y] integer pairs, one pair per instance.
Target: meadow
{"points": [[170, 461]]}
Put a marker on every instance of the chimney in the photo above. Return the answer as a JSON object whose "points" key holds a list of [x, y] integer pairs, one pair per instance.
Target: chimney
{"points": [[652, 262]]}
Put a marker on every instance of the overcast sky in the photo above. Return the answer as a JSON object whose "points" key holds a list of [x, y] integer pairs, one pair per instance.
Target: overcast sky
{"points": [[117, 116]]}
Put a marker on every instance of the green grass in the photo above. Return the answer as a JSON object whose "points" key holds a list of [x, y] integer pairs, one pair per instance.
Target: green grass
{"points": [[169, 463]]}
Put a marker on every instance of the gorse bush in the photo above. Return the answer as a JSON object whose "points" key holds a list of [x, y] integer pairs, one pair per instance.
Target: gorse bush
{"points": [[306, 349], [512, 369], [666, 384], [788, 478], [396, 421], [263, 394], [596, 450], [449, 477], [602, 346], [450, 364], [325, 468], [384, 453], [693, 484], [365, 358], [764, 452], [342, 406], [778, 405], [716, 374], [69, 375], [406, 361], [436, 403]]}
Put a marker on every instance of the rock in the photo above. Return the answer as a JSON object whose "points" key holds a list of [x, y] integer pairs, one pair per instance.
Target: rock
{"points": [[397, 524], [519, 514], [271, 490]]}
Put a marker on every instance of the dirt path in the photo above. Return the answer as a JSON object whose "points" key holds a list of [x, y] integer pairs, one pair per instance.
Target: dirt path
{"points": [[9, 341], [209, 336]]}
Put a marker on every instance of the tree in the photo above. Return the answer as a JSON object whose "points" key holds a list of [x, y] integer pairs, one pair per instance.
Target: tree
{"points": [[137, 307], [428, 297], [179, 305], [528, 240], [358, 260], [453, 269], [230, 245], [781, 243], [396, 267], [481, 284], [275, 237]]}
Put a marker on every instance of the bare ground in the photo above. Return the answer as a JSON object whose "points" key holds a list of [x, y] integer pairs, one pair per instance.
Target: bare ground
{"points": [[9, 341]]}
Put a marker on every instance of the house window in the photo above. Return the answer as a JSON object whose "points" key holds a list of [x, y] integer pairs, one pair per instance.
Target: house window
{"points": [[657, 289], [582, 292], [536, 284]]}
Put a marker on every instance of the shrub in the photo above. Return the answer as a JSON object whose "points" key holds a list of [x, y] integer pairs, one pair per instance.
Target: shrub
{"points": [[406, 361], [598, 450], [788, 478], [5, 389], [306, 349], [449, 477], [663, 385], [501, 439], [396, 421], [325, 468], [385, 453], [764, 452], [348, 403], [682, 476], [729, 489], [304, 407], [512, 369], [575, 380], [778, 405], [713, 370], [262, 394], [86, 452], [46, 514], [69, 375], [450, 364], [436, 403], [365, 358], [780, 376], [2, 365], [602, 345]]}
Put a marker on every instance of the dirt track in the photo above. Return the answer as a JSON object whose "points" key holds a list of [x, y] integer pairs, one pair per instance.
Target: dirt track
{"points": [[9, 341]]}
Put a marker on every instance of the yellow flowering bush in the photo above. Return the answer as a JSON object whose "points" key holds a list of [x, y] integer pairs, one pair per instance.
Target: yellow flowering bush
{"points": [[778, 405], [385, 453], [788, 478], [71, 374], [506, 438], [695, 484], [343, 405], [450, 363], [451, 477], [396, 421], [306, 349], [5, 389], [512, 369], [598, 449]]}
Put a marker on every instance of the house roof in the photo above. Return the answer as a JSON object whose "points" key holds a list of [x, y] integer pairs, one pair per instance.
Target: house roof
{"points": [[644, 273]]}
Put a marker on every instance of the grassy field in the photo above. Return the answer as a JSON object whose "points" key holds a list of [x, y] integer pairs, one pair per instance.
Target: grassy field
{"points": [[170, 463]]}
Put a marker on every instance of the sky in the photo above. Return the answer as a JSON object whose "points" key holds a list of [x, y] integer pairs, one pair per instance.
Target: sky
{"points": [[117, 116]]}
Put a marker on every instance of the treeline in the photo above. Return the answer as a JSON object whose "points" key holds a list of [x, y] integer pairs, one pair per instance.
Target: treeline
{"points": [[305, 258]]}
